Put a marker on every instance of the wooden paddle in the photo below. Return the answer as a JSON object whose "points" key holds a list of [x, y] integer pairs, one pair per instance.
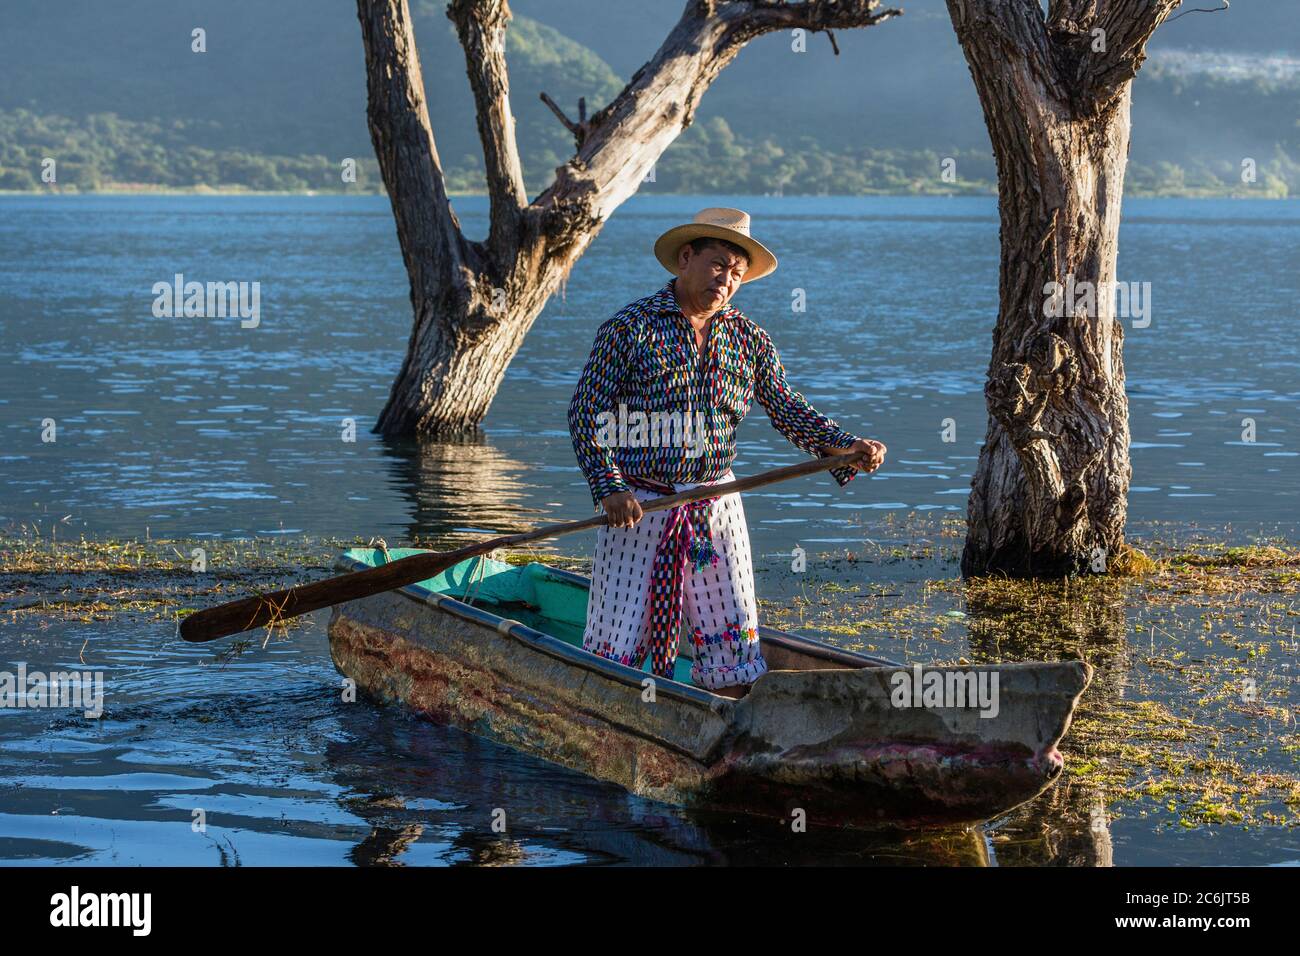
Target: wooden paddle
{"points": [[263, 609]]}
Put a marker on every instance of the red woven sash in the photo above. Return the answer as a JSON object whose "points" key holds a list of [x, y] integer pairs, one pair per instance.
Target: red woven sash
{"points": [[686, 539]]}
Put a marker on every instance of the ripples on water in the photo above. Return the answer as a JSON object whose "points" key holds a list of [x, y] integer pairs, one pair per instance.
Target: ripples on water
{"points": [[285, 771], [200, 427], [194, 427]]}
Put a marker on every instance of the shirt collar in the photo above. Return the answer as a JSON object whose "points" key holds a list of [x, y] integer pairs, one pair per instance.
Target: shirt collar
{"points": [[665, 303]]}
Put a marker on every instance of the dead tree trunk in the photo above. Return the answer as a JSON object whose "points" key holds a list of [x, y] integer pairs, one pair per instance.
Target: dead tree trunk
{"points": [[1050, 493], [474, 302]]}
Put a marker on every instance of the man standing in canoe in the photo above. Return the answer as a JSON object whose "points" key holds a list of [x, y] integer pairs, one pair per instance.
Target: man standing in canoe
{"points": [[656, 410]]}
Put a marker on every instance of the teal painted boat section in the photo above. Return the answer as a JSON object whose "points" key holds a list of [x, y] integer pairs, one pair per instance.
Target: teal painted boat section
{"points": [[552, 602]]}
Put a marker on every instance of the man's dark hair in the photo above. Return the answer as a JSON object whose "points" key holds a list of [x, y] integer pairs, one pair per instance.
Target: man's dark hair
{"points": [[704, 242]]}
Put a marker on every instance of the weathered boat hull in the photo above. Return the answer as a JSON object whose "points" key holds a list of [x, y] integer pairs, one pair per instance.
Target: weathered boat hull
{"points": [[820, 733]]}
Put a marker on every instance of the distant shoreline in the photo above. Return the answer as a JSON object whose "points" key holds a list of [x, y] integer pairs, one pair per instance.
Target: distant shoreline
{"points": [[208, 191]]}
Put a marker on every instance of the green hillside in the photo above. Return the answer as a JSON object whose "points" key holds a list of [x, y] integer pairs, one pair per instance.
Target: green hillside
{"points": [[284, 83], [115, 94]]}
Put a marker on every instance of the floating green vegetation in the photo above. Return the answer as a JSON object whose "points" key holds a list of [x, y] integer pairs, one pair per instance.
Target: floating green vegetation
{"points": [[32, 552], [1190, 720], [1191, 717], [96, 580]]}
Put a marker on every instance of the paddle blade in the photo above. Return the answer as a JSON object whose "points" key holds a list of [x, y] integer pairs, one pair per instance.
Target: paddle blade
{"points": [[268, 610]]}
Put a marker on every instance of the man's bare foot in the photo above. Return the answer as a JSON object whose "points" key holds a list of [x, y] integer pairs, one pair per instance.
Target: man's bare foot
{"points": [[735, 691]]}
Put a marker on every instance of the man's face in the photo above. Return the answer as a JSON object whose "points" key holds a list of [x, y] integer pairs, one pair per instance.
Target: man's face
{"points": [[712, 276]]}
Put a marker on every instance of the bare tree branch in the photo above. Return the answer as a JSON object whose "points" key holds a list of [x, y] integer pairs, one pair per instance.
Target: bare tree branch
{"points": [[1082, 52], [1127, 25], [433, 247], [1100, 44], [481, 26], [578, 129], [765, 16], [626, 137]]}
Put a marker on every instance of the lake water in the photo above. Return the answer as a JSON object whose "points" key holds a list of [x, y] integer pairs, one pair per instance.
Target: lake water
{"points": [[201, 427], [176, 427]]}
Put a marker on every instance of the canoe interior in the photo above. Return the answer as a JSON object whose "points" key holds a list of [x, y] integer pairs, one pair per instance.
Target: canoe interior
{"points": [[542, 597]]}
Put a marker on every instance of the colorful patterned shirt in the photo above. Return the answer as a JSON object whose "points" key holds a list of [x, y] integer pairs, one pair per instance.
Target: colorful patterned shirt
{"points": [[647, 405]]}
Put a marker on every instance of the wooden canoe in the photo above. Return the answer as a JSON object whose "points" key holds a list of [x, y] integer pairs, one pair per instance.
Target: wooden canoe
{"points": [[496, 649]]}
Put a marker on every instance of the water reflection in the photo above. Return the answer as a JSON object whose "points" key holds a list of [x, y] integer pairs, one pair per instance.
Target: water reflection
{"points": [[1030, 621], [412, 781], [1022, 621], [460, 488], [1066, 826]]}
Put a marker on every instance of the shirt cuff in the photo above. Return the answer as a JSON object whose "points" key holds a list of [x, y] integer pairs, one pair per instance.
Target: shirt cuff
{"points": [[605, 484], [842, 439]]}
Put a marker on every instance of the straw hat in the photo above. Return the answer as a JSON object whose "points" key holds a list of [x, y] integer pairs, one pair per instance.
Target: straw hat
{"points": [[717, 222]]}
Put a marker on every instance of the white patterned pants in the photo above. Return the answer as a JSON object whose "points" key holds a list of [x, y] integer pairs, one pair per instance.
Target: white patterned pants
{"points": [[719, 611]]}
